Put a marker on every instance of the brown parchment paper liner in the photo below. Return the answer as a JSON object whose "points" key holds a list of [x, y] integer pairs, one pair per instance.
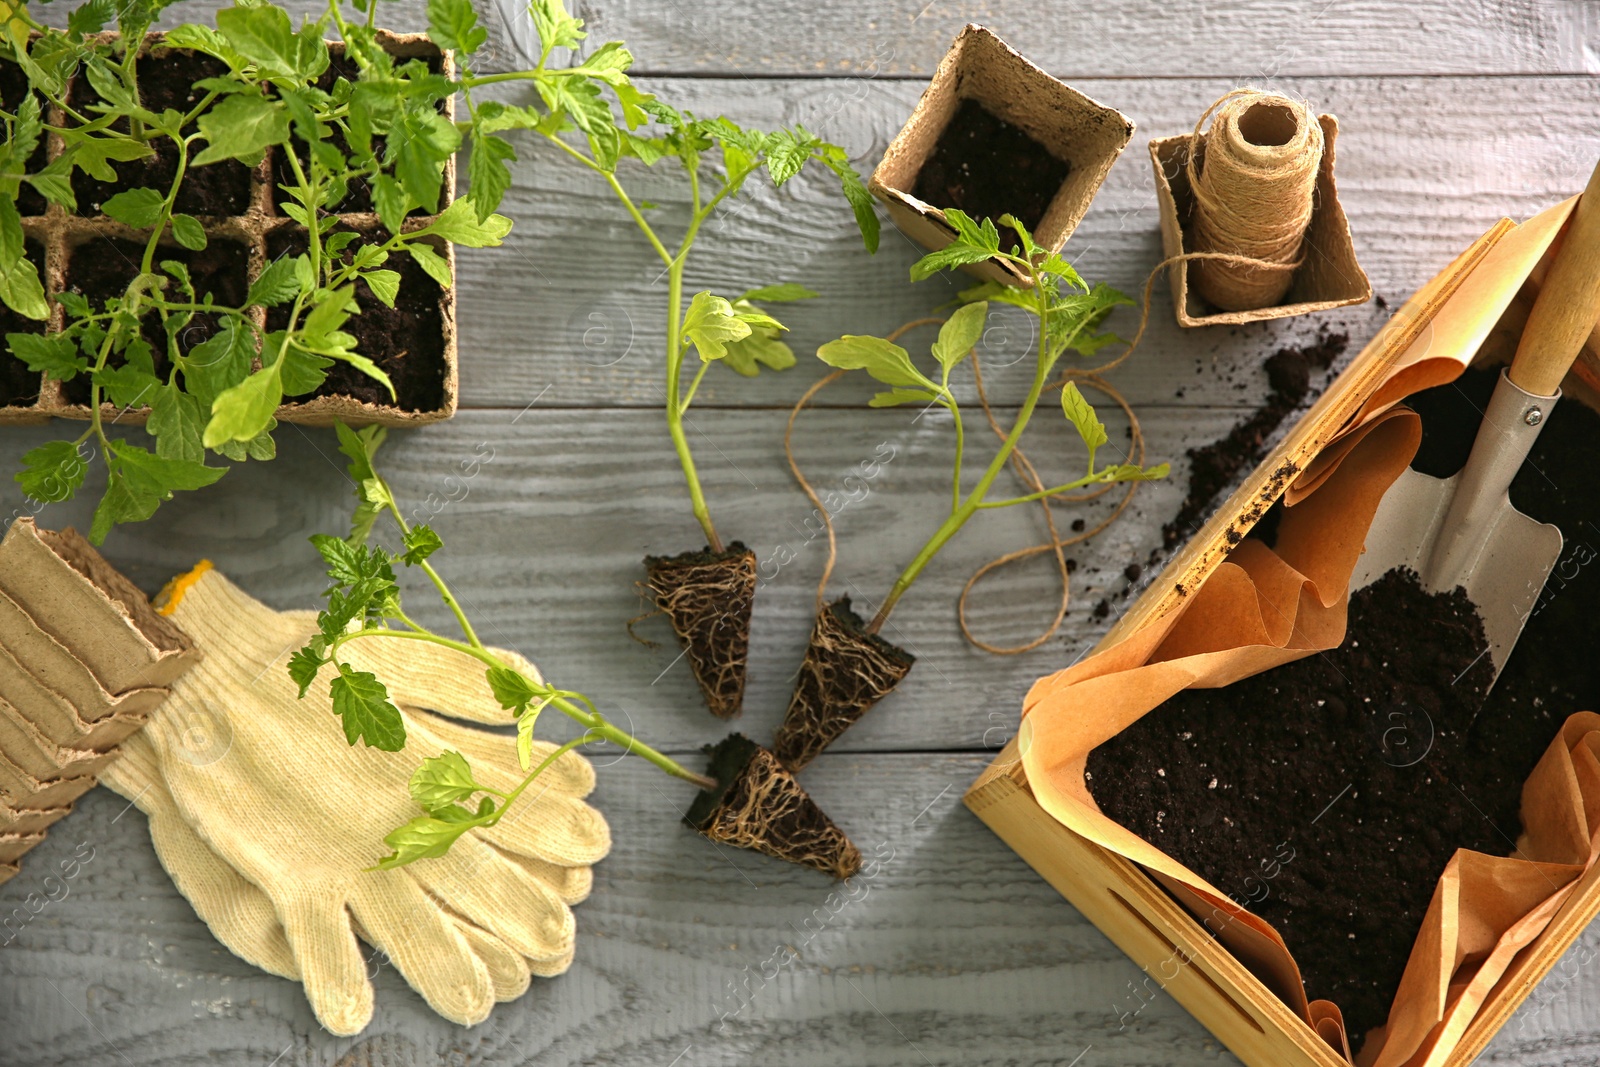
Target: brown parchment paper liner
{"points": [[1262, 607]]}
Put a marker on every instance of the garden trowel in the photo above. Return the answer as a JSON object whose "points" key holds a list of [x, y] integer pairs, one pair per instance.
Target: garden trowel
{"points": [[1463, 531]]}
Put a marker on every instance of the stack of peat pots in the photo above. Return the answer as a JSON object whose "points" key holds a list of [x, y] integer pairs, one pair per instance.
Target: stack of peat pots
{"points": [[84, 660]]}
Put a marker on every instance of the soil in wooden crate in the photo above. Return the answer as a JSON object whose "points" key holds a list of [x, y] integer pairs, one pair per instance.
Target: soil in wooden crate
{"points": [[103, 267], [19, 386], [1218, 466], [166, 80], [1363, 870], [13, 87], [987, 167], [405, 341]]}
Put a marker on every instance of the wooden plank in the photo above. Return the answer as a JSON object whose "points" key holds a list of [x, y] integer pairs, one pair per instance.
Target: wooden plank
{"points": [[1249, 41], [547, 514], [571, 310], [1252, 41]]}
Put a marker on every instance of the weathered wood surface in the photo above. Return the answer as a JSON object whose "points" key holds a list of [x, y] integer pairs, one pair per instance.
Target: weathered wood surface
{"points": [[954, 952]]}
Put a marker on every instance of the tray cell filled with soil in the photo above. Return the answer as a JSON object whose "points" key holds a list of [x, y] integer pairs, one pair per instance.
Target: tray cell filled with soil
{"points": [[166, 80], [94, 255], [101, 268], [406, 341], [357, 199]]}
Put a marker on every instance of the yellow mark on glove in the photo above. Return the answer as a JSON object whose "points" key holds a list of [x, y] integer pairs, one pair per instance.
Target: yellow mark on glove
{"points": [[172, 593]]}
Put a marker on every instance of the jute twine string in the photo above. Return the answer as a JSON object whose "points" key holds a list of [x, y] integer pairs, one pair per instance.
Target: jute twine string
{"points": [[1254, 196]]}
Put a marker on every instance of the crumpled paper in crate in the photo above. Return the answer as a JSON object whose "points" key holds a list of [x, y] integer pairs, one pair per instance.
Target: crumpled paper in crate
{"points": [[1262, 607]]}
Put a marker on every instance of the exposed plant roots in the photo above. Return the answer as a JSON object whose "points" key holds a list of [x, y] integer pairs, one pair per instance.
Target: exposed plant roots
{"points": [[759, 805], [707, 598], [846, 671]]}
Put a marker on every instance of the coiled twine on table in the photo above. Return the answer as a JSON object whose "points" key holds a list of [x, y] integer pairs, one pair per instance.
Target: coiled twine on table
{"points": [[1254, 191]]}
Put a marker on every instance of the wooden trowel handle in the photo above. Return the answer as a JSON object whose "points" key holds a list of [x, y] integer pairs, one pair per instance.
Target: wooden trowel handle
{"points": [[1568, 303]]}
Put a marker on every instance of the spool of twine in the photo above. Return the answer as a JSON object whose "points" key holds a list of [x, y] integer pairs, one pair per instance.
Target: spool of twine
{"points": [[1254, 191]]}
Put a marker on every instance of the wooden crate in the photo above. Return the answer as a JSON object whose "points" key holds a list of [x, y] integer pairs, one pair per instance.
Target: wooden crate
{"points": [[1122, 899]]}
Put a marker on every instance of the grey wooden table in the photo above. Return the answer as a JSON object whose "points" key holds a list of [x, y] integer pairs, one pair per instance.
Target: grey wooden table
{"points": [[953, 951]]}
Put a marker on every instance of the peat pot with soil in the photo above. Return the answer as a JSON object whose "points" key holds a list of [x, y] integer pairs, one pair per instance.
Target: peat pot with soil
{"points": [[994, 135], [848, 665]]}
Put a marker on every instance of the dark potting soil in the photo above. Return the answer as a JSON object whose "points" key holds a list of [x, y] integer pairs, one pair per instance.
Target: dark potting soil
{"points": [[19, 386], [103, 267], [405, 341], [166, 80], [13, 88], [1367, 866], [707, 598], [845, 672], [1216, 467], [987, 167]]}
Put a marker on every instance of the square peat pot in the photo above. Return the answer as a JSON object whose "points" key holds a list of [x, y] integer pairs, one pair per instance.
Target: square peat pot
{"points": [[1121, 897], [243, 218], [1328, 278], [990, 117]]}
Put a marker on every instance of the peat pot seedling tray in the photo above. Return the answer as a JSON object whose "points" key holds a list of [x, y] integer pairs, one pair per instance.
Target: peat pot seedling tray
{"points": [[1121, 897], [246, 228]]}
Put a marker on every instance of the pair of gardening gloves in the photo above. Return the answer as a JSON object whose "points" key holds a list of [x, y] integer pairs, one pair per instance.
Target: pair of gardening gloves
{"points": [[270, 824]]}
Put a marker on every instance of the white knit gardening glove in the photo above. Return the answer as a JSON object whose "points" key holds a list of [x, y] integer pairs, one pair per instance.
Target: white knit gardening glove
{"points": [[267, 782]]}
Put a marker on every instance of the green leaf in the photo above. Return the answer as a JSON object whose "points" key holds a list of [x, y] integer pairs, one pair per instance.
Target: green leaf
{"points": [[896, 397], [948, 258], [487, 172], [305, 664], [1128, 472], [556, 28], [855, 193], [52, 472], [424, 837], [359, 446], [261, 34], [128, 385], [243, 411], [453, 24], [436, 266], [778, 294], [22, 292], [242, 126], [786, 154], [178, 422], [218, 363], [137, 483], [709, 323], [55, 355], [139, 208], [363, 703], [421, 542], [95, 155], [761, 349], [459, 225], [419, 143], [959, 334], [277, 283], [442, 780], [390, 200], [91, 17], [27, 128], [385, 285], [884, 361], [188, 232], [511, 688], [1079, 412]]}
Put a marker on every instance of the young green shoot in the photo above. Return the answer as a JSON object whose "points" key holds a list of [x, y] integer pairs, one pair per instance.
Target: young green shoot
{"points": [[364, 605], [1070, 313]]}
